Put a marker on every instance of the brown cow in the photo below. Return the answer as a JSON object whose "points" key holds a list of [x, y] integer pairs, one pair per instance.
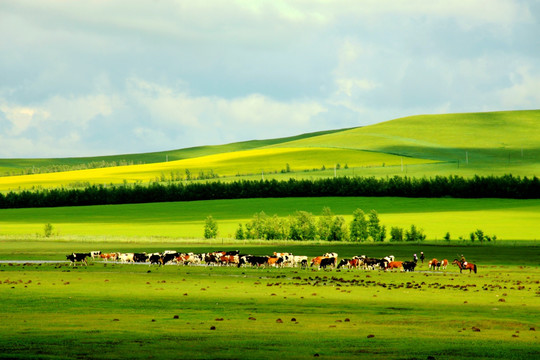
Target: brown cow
{"points": [[395, 265]]}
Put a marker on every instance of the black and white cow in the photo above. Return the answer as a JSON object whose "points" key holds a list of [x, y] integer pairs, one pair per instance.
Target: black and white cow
{"points": [[78, 257]]}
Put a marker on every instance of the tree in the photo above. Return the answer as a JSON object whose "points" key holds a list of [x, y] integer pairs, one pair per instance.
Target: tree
{"points": [[302, 226], [447, 236], [338, 230], [239, 235], [255, 228], [210, 228], [374, 228], [396, 234], [358, 226], [274, 228], [324, 227], [480, 235]]}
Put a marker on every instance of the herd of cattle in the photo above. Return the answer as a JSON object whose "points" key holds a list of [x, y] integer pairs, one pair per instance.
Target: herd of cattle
{"points": [[234, 258]]}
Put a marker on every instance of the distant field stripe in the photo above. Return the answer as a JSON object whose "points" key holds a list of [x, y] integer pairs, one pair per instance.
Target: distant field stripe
{"points": [[506, 218], [269, 160]]}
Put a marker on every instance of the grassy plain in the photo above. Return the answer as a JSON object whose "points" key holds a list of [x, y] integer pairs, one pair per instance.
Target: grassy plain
{"points": [[451, 144], [118, 311], [506, 218]]}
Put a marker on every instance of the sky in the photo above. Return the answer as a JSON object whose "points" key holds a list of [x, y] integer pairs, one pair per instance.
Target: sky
{"points": [[96, 77]]}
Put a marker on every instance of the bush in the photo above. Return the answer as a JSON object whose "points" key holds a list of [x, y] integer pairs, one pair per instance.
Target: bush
{"points": [[414, 234], [47, 230], [447, 236], [210, 228]]}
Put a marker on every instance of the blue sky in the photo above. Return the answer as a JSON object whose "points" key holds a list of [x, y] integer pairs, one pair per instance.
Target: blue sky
{"points": [[83, 78]]}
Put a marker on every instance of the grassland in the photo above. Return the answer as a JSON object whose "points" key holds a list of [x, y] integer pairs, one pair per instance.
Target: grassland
{"points": [[133, 311], [114, 311], [450, 144], [507, 219]]}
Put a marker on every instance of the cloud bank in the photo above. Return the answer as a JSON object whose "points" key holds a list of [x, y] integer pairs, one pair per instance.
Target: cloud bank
{"points": [[103, 77]]}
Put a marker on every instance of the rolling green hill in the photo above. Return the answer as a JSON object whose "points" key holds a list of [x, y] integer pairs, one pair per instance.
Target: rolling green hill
{"points": [[469, 144], [505, 142]]}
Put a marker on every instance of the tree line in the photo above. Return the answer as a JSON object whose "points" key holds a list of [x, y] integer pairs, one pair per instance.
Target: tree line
{"points": [[506, 186], [69, 167], [303, 225]]}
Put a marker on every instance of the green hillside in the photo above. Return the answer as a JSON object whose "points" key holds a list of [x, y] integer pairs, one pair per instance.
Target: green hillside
{"points": [[491, 143], [484, 143], [17, 166]]}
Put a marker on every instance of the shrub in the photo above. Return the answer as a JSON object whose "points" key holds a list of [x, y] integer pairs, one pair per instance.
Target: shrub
{"points": [[47, 230], [414, 234], [447, 236], [210, 228]]}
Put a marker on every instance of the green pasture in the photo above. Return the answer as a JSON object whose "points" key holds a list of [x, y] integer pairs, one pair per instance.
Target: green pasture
{"points": [[495, 143], [508, 219], [114, 311]]}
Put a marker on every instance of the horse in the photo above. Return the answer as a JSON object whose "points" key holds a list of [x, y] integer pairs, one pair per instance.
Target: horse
{"points": [[469, 266]]}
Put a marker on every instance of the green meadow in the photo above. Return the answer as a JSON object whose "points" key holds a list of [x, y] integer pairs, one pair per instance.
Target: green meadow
{"points": [[469, 144], [508, 219], [114, 311]]}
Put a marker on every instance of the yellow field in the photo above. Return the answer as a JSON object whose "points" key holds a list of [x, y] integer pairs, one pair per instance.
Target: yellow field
{"points": [[269, 160]]}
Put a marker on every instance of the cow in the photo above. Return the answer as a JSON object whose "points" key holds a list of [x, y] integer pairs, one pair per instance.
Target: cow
{"points": [[253, 260], [299, 260], [409, 265], [370, 263], [126, 257], [443, 264], [229, 259], [331, 261], [189, 259], [212, 258], [140, 257], [395, 265], [76, 257], [168, 257], [317, 260], [156, 259], [107, 256], [275, 261], [95, 254], [349, 263]]}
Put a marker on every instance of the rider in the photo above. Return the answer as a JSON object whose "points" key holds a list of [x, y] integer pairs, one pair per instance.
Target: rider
{"points": [[463, 261]]}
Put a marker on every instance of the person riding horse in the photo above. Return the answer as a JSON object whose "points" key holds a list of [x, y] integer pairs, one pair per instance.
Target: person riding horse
{"points": [[463, 261]]}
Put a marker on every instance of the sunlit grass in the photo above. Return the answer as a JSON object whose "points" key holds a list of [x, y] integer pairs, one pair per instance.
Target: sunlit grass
{"points": [[506, 218]]}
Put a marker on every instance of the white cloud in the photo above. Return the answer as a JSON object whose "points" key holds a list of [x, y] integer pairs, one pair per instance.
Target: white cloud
{"points": [[83, 78], [524, 90]]}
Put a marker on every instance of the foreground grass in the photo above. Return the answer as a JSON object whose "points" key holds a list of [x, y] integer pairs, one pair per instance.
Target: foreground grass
{"points": [[134, 311], [506, 218]]}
